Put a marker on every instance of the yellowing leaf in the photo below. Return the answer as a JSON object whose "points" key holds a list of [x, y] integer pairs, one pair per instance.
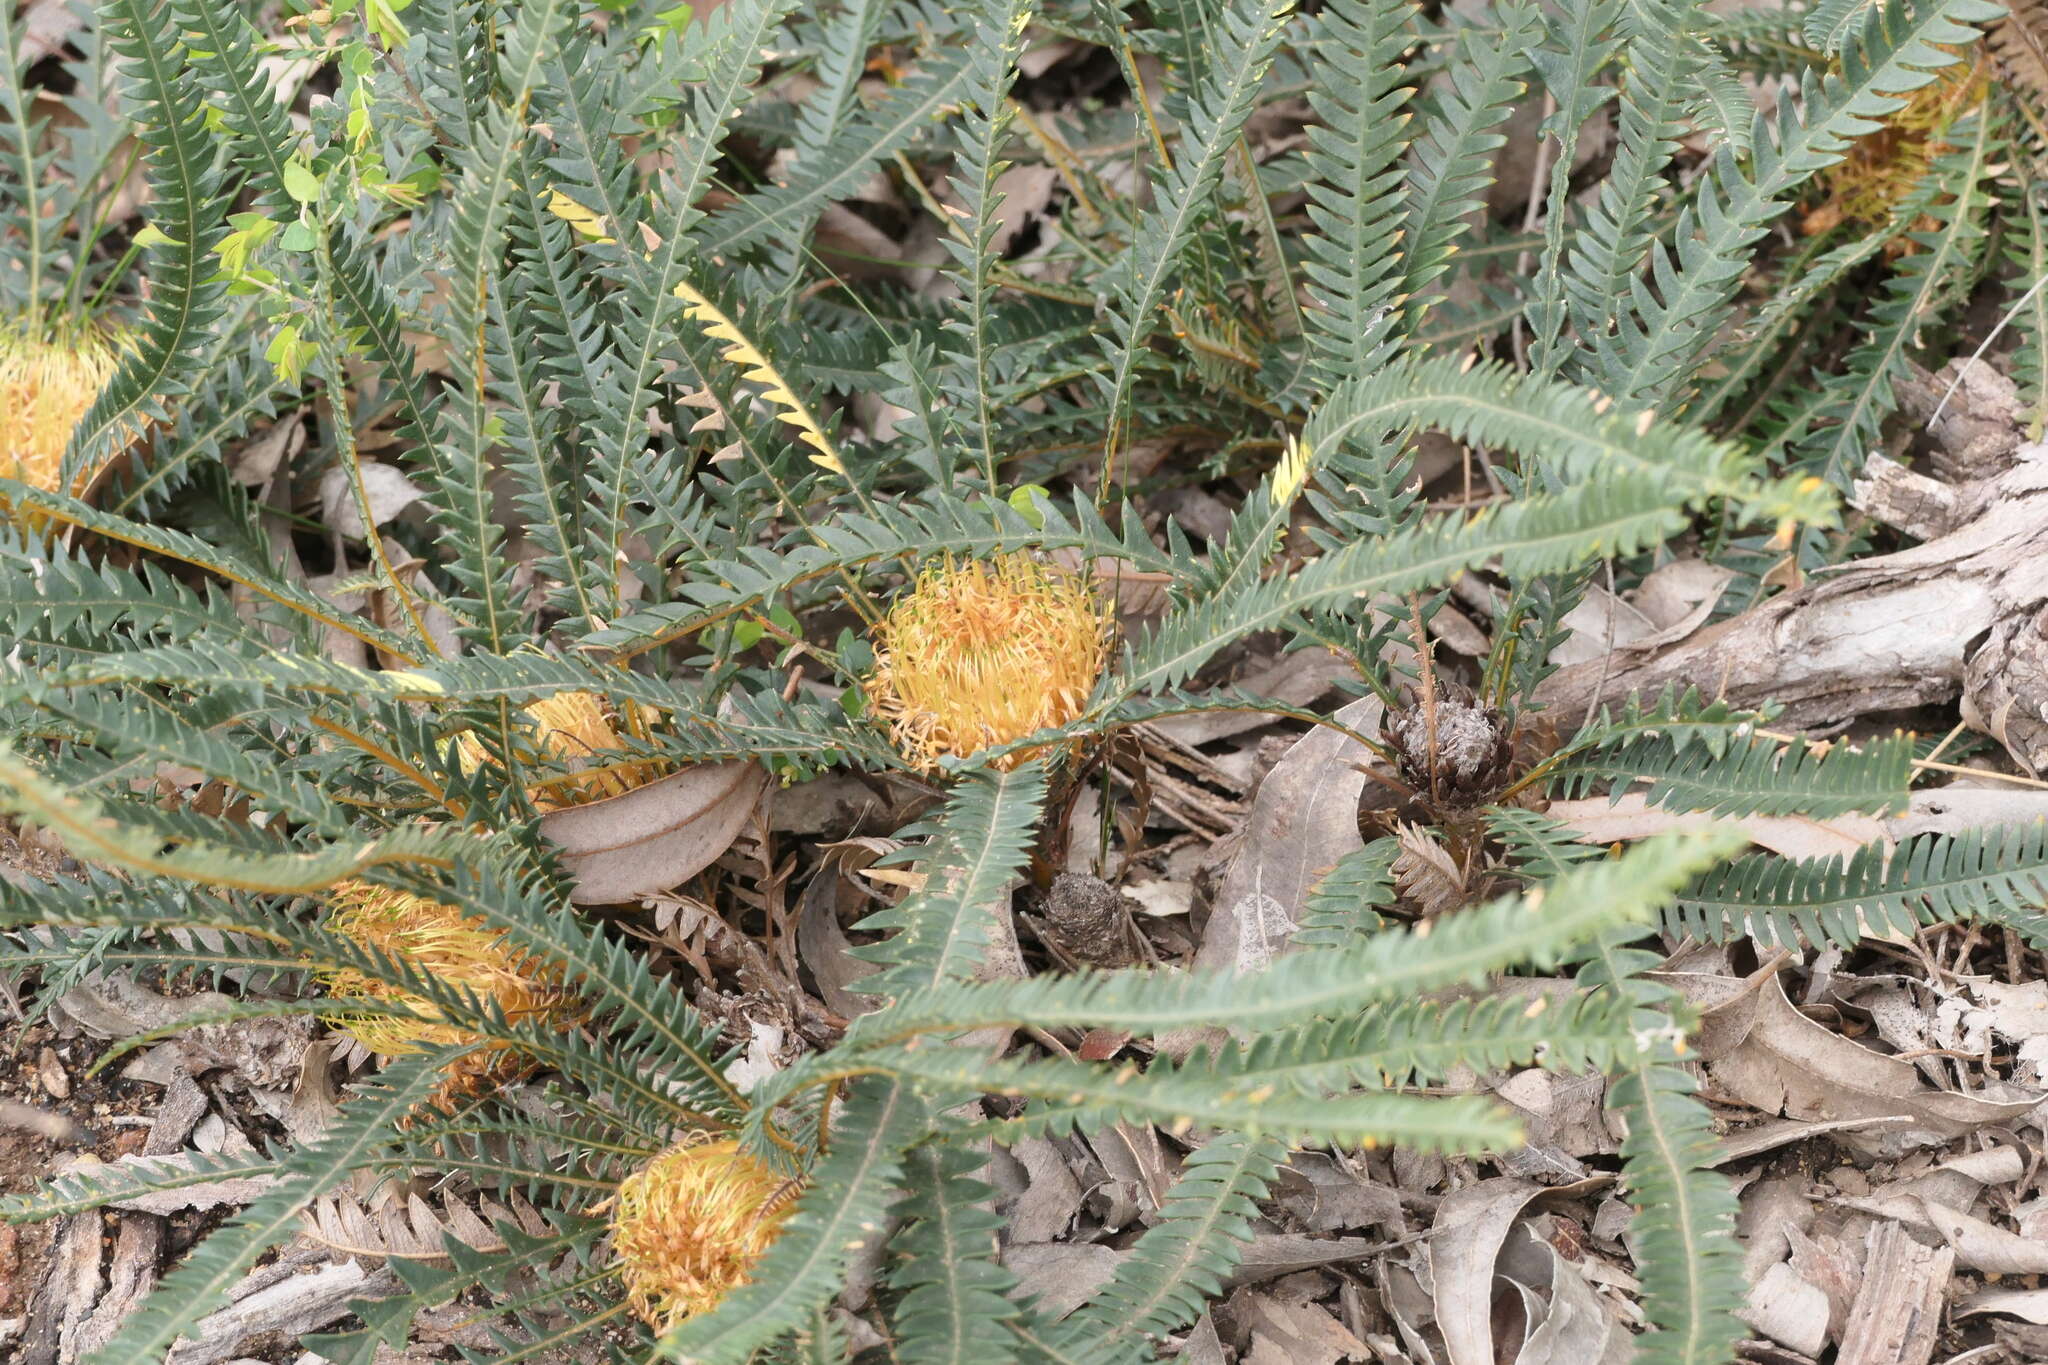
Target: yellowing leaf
{"points": [[1291, 473], [587, 222], [412, 683], [756, 368], [289, 353], [301, 182]]}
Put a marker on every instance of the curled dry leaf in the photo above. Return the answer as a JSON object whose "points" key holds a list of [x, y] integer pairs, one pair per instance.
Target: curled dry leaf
{"points": [[1600, 623], [1203, 1346], [1282, 1331], [259, 459], [654, 837], [420, 602], [822, 945], [1002, 959], [1598, 820], [1726, 1004], [1459, 633], [1137, 1168], [1405, 1300], [1790, 1064], [113, 1006], [1680, 595], [387, 488], [1051, 1196], [1576, 1328], [1980, 1246], [1270, 1255], [1323, 1195], [1774, 1210], [1299, 679], [1058, 1277], [2029, 1304], [1772, 1134], [1471, 1227], [1304, 819], [1673, 602], [1563, 1118], [1953, 1185]]}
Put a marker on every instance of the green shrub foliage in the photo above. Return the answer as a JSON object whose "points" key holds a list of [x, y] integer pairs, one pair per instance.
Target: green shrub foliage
{"points": [[566, 265]]}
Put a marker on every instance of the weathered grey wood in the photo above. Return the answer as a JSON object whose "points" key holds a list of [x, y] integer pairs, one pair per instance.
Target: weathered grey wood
{"points": [[65, 1297], [1897, 1313], [1960, 615]]}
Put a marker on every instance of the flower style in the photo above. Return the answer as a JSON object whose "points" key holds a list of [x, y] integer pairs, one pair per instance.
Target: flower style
{"points": [[441, 942], [689, 1226], [46, 386], [980, 654], [577, 730]]}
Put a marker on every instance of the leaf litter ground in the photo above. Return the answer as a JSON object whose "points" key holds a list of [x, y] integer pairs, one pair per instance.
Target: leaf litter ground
{"points": [[1880, 1109]]}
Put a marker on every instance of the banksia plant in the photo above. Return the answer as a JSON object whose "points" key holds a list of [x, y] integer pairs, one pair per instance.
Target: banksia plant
{"points": [[623, 418], [579, 731], [983, 653], [46, 384], [689, 1226], [441, 942]]}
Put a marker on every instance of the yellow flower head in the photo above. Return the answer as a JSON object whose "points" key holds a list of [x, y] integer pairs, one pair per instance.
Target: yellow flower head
{"points": [[575, 730], [984, 653], [46, 385], [688, 1227], [441, 942]]}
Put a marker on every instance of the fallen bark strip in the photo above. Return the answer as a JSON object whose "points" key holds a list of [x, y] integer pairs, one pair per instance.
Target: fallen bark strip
{"points": [[1963, 614]]}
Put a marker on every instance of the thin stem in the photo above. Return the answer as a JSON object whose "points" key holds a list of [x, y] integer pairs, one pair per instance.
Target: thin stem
{"points": [[90, 238], [1426, 666], [351, 463], [25, 132]]}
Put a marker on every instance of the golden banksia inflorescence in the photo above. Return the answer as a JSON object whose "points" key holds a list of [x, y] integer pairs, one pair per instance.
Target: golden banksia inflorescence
{"points": [[982, 653], [579, 731], [46, 386], [689, 1226], [438, 941]]}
